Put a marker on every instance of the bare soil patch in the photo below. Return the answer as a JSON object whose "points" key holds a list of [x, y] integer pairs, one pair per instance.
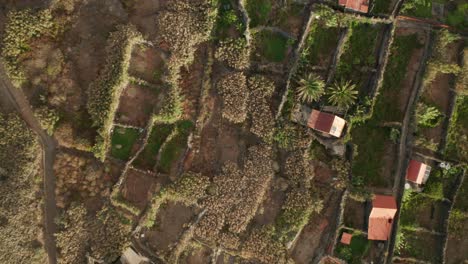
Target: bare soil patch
{"points": [[138, 187], [198, 255], [147, 63], [355, 215], [271, 206], [137, 103], [170, 223]]}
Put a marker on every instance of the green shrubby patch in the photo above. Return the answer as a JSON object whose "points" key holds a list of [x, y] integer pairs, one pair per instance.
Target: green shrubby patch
{"points": [[21, 27], [122, 141]]}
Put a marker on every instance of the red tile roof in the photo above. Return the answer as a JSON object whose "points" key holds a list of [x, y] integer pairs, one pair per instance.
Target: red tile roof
{"points": [[346, 238], [358, 5], [381, 217], [320, 121], [416, 171]]}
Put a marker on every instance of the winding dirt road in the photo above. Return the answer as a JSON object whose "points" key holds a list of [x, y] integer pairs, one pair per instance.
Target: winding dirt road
{"points": [[48, 144]]}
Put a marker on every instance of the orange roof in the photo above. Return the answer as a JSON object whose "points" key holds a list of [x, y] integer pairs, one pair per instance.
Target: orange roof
{"points": [[327, 123], [346, 238], [358, 5], [417, 172], [381, 217]]}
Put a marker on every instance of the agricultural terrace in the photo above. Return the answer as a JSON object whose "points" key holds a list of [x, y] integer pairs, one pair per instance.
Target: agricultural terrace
{"points": [[458, 225], [375, 138], [434, 108], [357, 250]]}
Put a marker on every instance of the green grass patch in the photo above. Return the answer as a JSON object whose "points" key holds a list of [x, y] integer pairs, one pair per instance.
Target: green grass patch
{"points": [[122, 142], [159, 134], [271, 45], [461, 201], [258, 11], [441, 183], [174, 147], [354, 252], [421, 245], [413, 206]]}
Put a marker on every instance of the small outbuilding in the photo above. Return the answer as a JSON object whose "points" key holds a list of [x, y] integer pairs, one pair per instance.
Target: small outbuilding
{"points": [[417, 172], [346, 238], [326, 123], [356, 5], [383, 212]]}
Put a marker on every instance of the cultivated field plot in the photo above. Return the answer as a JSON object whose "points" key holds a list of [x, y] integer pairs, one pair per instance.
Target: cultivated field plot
{"points": [[138, 187], [288, 16], [421, 211], [271, 46], [382, 6], [458, 227], [137, 104], [421, 245], [356, 214], [449, 12], [434, 107], [147, 64], [358, 60], [375, 139], [147, 159], [124, 141]]}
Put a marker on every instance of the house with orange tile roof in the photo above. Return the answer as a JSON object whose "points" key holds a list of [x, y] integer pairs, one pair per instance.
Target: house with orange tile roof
{"points": [[417, 172], [383, 212], [321, 121], [356, 5], [346, 238], [326, 123]]}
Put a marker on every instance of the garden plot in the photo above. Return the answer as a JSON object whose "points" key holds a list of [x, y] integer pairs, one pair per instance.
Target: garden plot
{"points": [[230, 22], [138, 187], [383, 6], [271, 206], [458, 227], [288, 16], [420, 245], [170, 223], [137, 104], [421, 211], [317, 236], [124, 141], [433, 108], [147, 159], [356, 251], [147, 64], [375, 139], [271, 47], [198, 254], [358, 61], [356, 214]]}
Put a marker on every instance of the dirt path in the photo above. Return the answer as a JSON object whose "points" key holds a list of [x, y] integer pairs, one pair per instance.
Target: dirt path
{"points": [[48, 144]]}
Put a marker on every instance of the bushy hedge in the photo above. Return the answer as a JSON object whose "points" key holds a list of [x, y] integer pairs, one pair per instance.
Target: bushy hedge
{"points": [[104, 93], [21, 27]]}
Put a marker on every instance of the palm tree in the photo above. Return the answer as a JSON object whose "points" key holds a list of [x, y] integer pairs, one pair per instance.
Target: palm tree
{"points": [[310, 88], [342, 94]]}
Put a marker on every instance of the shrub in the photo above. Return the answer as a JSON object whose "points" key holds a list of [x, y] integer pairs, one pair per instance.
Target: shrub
{"points": [[342, 94], [428, 116], [234, 52], [310, 88], [48, 118], [233, 88], [21, 27], [104, 93]]}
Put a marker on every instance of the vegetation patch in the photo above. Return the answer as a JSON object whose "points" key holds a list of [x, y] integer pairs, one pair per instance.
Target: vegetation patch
{"points": [[105, 92], [354, 252], [159, 133], [272, 46], [122, 141], [173, 148], [418, 8], [381, 6], [419, 245], [259, 11]]}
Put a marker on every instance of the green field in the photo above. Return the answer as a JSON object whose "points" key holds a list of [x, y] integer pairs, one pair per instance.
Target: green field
{"points": [[174, 147], [159, 134], [258, 11], [320, 42], [122, 142], [271, 45]]}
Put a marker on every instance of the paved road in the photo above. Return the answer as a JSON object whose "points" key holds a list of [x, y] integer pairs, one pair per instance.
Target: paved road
{"points": [[48, 144]]}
